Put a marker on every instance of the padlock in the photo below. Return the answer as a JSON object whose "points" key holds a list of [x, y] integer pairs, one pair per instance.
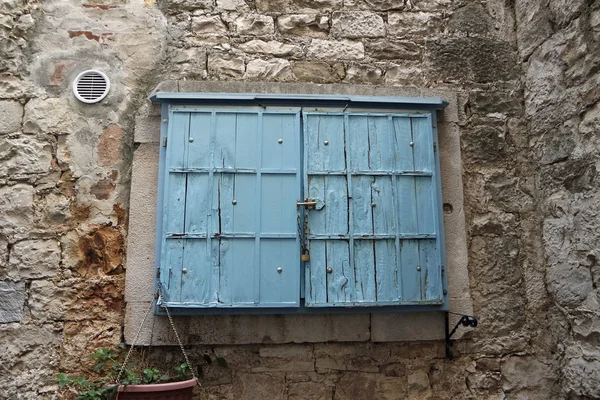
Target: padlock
{"points": [[305, 255]]}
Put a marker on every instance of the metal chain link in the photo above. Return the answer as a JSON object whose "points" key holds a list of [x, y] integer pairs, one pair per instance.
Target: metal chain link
{"points": [[158, 296]]}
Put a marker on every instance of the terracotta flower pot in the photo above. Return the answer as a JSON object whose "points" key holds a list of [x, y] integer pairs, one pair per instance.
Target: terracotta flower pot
{"points": [[160, 391]]}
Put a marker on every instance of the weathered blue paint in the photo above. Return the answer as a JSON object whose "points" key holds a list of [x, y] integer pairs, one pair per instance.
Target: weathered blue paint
{"points": [[231, 179], [374, 238]]}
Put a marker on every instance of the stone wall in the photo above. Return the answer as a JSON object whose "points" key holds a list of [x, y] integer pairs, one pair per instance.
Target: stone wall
{"points": [[525, 78]]}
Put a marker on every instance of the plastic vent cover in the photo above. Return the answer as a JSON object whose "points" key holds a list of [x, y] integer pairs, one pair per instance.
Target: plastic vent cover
{"points": [[91, 86]]}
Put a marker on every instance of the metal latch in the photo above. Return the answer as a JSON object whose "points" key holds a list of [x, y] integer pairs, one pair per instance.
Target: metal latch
{"points": [[309, 204]]}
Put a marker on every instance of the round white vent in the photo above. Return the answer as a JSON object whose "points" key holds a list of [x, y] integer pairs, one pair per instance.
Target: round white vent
{"points": [[91, 86]]}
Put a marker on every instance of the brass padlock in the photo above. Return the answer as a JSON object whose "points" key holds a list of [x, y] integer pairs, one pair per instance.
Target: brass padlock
{"points": [[305, 255]]}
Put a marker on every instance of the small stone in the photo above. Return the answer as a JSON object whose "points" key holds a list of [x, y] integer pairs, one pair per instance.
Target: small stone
{"points": [[272, 47], [208, 25], [276, 69], [225, 65], [316, 72], [16, 206], [313, 25], [357, 24], [418, 382], [254, 24], [34, 259], [336, 49], [310, 390], [12, 299], [12, 114], [272, 5]]}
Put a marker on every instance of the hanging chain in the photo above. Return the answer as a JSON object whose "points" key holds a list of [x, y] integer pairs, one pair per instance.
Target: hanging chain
{"points": [[157, 296], [300, 233], [187, 360], [305, 230], [137, 335]]}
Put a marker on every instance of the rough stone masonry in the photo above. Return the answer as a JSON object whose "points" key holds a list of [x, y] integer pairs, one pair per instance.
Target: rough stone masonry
{"points": [[526, 79]]}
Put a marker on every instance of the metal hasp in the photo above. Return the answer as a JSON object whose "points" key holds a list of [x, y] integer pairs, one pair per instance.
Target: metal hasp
{"points": [[309, 204], [465, 320]]}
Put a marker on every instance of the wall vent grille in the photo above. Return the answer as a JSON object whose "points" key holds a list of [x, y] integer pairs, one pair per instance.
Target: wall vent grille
{"points": [[91, 86]]}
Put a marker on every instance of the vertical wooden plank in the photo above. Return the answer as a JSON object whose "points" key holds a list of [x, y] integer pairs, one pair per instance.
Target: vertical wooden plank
{"points": [[199, 140], [174, 206], [196, 281], [236, 271], [381, 144], [174, 262], [243, 270], [247, 154], [225, 139], [316, 274], [336, 205], [284, 155], [407, 207], [178, 139], [411, 276], [321, 129], [426, 215], [403, 137], [386, 270], [423, 144], [359, 142], [332, 131], [430, 272], [316, 218], [225, 197], [278, 203], [245, 210], [313, 146], [384, 214], [364, 271], [198, 203], [362, 211], [279, 287], [340, 281]]}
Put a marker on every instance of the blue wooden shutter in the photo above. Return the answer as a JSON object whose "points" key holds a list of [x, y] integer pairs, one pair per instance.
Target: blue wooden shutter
{"points": [[374, 234], [231, 182]]}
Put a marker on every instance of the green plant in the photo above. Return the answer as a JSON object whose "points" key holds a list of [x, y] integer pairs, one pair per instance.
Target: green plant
{"points": [[108, 364]]}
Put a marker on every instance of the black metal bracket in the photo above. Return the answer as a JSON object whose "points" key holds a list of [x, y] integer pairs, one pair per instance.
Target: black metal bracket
{"points": [[465, 320]]}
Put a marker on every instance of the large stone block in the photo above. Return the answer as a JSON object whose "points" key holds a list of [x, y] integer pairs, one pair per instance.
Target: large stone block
{"points": [[12, 115], [276, 69], [259, 387], [393, 50], [375, 5], [314, 25], [24, 155], [414, 24], [16, 206], [357, 24], [317, 72], [272, 47], [54, 116], [34, 259], [12, 299], [336, 50], [254, 24], [226, 66], [359, 73], [208, 25]]}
